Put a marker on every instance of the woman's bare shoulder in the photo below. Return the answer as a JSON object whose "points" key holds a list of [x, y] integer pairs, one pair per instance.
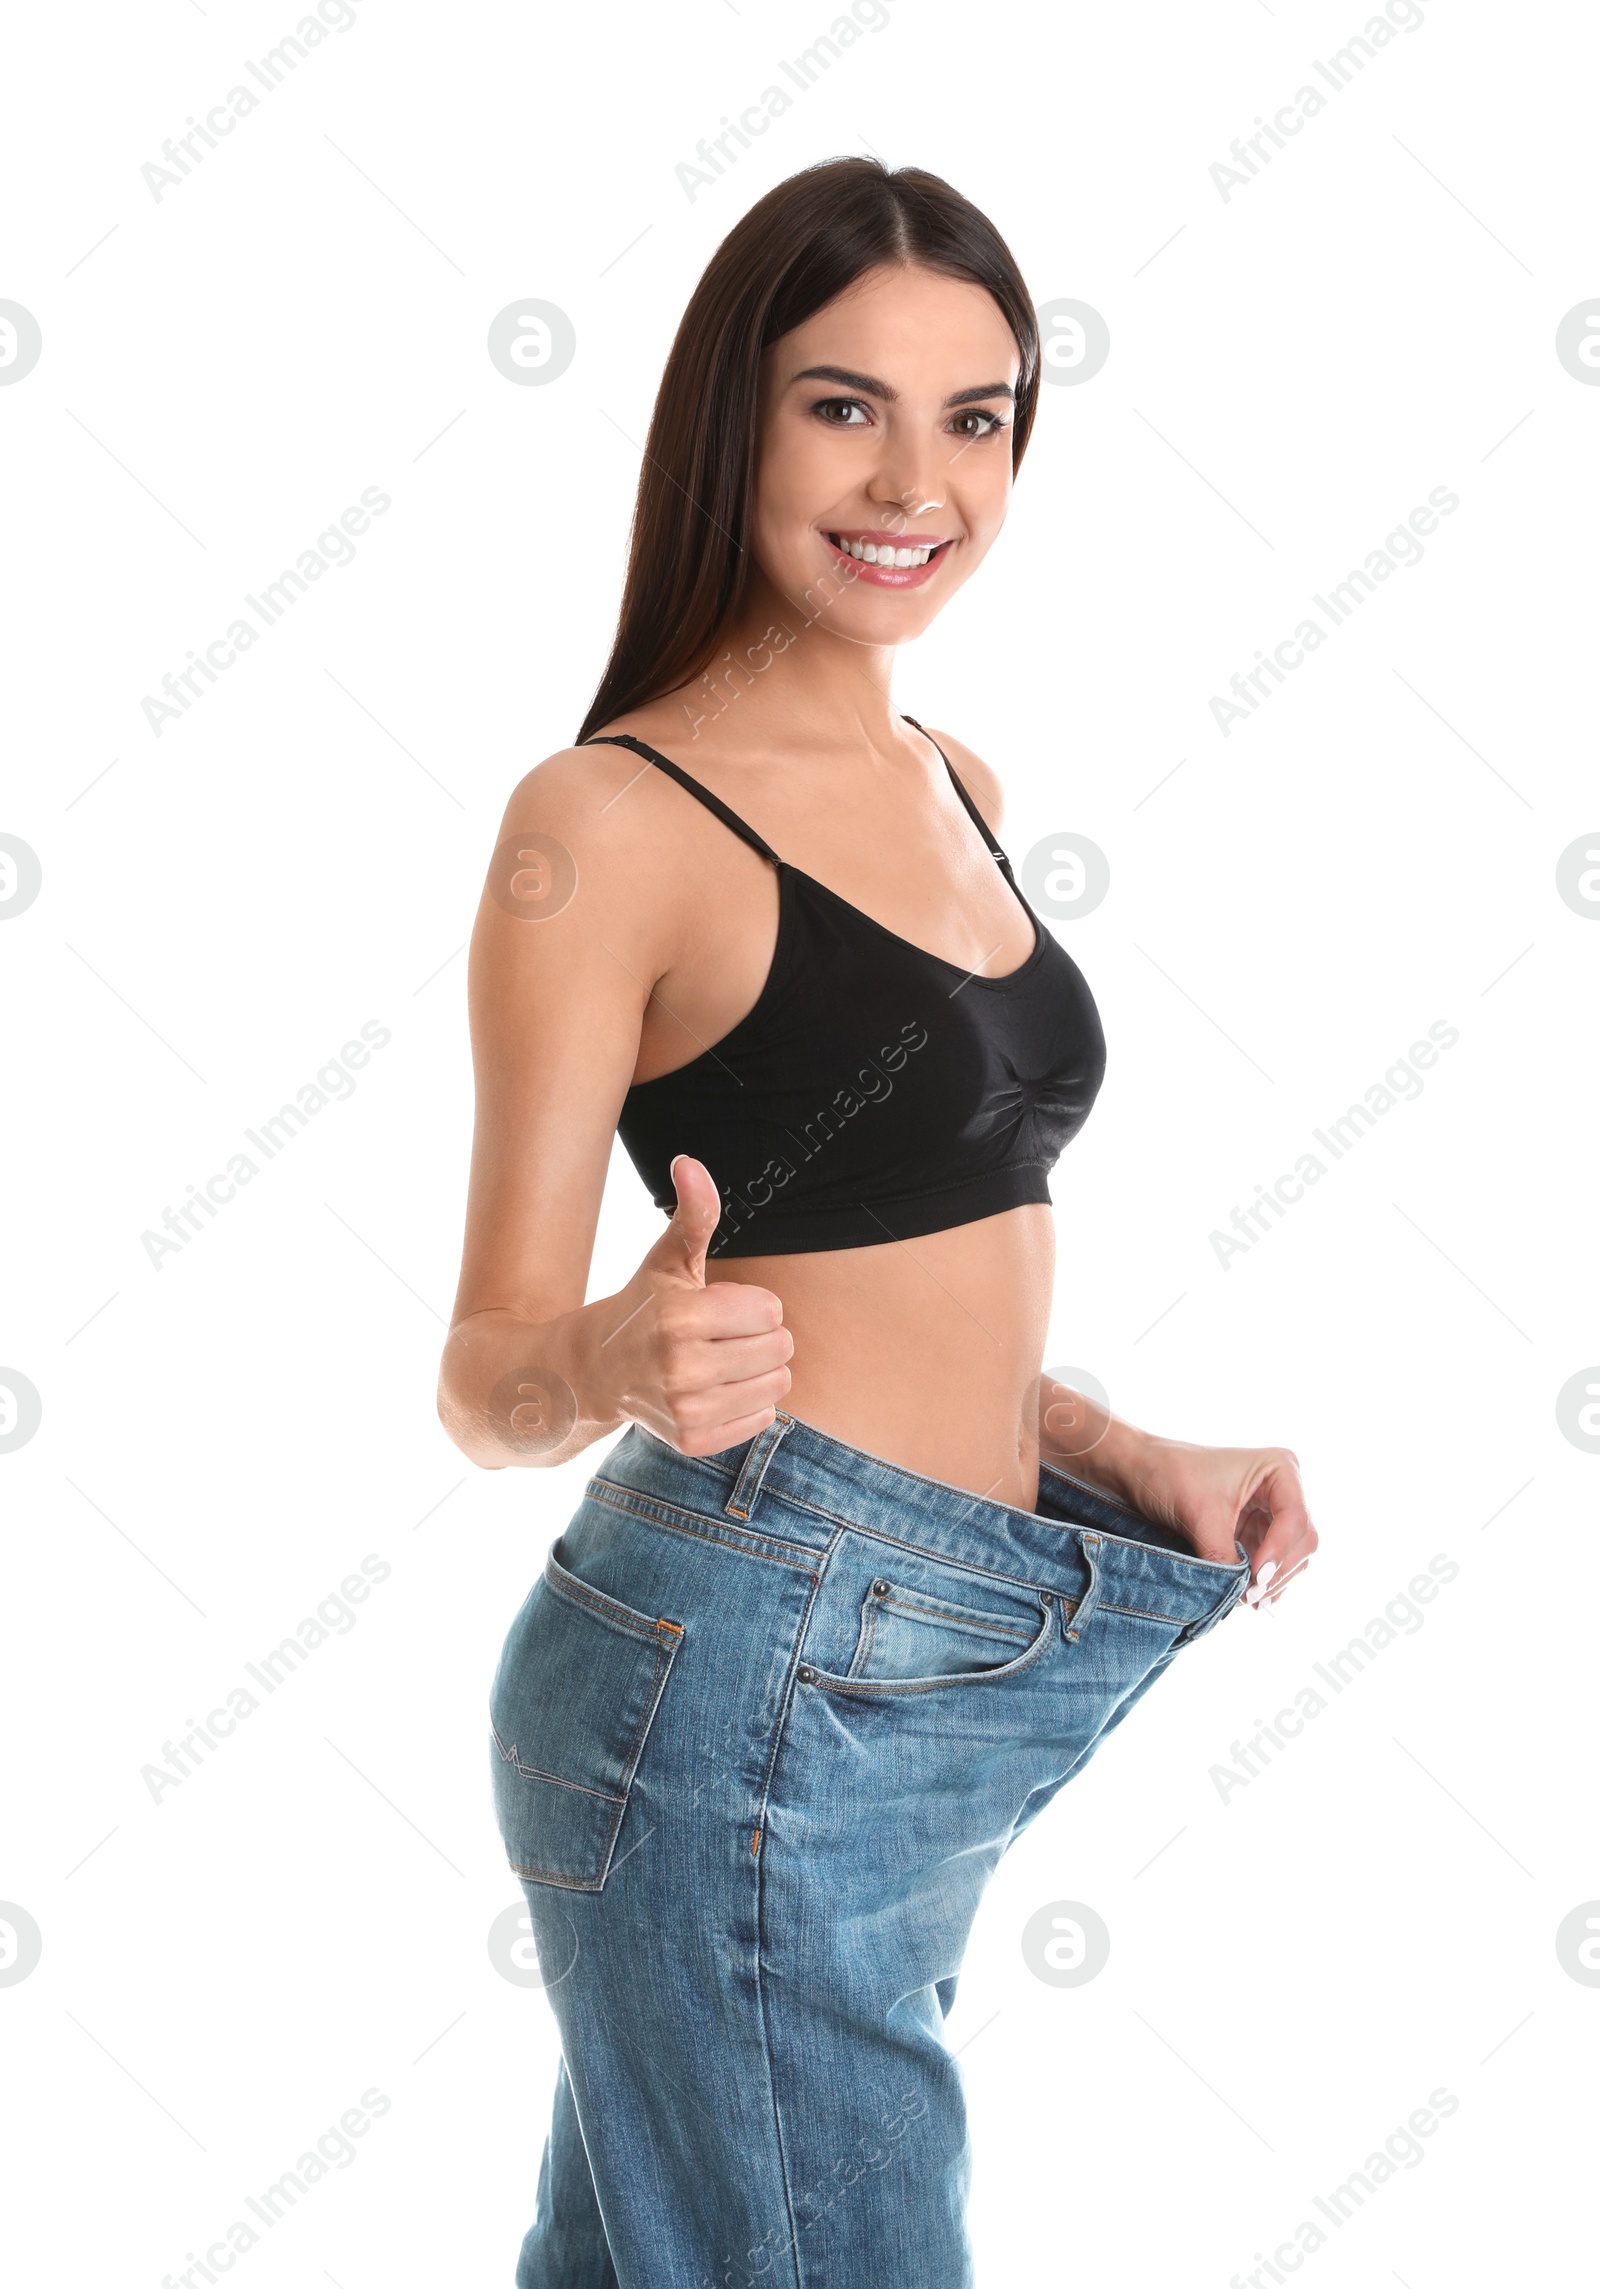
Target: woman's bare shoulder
{"points": [[574, 784], [975, 775], [601, 824]]}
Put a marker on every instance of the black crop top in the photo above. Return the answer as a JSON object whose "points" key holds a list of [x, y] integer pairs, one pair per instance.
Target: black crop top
{"points": [[874, 1092]]}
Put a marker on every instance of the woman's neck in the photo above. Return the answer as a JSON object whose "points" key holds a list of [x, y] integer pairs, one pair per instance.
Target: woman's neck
{"points": [[781, 676]]}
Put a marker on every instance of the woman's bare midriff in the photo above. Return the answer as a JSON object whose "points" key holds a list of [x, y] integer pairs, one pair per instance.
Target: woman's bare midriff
{"points": [[926, 1352]]}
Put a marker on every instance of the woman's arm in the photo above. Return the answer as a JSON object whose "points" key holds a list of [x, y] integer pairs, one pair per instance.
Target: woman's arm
{"points": [[1212, 1495], [579, 919]]}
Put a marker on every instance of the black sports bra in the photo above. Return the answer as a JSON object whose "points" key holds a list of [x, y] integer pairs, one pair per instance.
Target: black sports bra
{"points": [[874, 1092]]}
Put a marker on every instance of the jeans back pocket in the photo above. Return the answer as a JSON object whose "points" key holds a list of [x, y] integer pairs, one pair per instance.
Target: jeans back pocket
{"points": [[578, 1684]]}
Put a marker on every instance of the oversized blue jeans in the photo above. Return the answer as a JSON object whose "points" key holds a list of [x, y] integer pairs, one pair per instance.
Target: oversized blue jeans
{"points": [[761, 1732]]}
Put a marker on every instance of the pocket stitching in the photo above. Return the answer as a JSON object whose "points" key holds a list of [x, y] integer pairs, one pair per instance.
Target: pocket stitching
{"points": [[666, 1636], [943, 1612], [692, 1522], [598, 1882], [617, 1616], [979, 1624], [894, 1687], [512, 1756]]}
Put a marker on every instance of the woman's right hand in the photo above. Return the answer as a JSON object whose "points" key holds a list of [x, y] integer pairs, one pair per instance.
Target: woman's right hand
{"points": [[703, 1367]]}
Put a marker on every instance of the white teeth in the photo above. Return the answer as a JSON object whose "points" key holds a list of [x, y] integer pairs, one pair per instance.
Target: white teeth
{"points": [[871, 552]]}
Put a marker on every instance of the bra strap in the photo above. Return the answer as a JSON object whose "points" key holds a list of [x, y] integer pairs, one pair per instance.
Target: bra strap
{"points": [[972, 810], [701, 794]]}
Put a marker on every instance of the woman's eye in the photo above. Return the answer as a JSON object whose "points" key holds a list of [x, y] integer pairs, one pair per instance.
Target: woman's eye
{"points": [[842, 412], [983, 424]]}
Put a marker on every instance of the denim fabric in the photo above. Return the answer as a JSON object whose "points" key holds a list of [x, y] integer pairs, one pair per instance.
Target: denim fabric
{"points": [[761, 1732]]}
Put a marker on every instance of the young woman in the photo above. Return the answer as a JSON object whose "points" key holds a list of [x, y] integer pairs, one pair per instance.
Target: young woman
{"points": [[832, 1622]]}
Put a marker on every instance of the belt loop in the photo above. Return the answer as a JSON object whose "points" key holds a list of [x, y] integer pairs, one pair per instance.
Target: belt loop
{"points": [[747, 1486], [1088, 1544]]}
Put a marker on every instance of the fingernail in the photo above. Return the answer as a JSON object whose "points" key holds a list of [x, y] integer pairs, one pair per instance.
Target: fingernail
{"points": [[1258, 1588]]}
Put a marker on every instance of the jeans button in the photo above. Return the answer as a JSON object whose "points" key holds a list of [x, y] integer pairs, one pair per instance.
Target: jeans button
{"points": [[880, 1589], [806, 1674]]}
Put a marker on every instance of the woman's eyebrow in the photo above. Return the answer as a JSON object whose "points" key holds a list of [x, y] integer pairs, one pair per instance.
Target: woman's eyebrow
{"points": [[869, 387], [847, 380], [989, 389]]}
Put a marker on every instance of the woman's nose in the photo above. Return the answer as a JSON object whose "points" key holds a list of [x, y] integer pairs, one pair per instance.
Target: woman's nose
{"points": [[908, 481]]}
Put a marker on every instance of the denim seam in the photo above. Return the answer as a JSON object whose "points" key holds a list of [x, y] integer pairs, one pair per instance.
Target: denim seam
{"points": [[1143, 1613], [785, 1705], [665, 1649], [1185, 1557], [1085, 1487], [914, 1549], [866, 1638], [1008, 1510], [563, 1883], [620, 1617], [1220, 1612], [985, 1574], [512, 1757], [1060, 1526], [677, 1521], [895, 1688], [764, 1445], [981, 1626]]}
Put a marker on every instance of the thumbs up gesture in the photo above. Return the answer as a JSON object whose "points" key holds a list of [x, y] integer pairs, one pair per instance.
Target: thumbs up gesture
{"points": [[703, 1367]]}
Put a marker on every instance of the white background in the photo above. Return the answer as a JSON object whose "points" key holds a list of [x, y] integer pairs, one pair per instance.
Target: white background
{"points": [[1292, 370]]}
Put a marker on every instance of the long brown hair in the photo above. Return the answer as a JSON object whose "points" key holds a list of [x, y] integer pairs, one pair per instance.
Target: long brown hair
{"points": [[797, 248]]}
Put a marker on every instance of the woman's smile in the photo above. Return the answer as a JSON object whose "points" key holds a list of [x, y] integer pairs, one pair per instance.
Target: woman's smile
{"points": [[890, 560]]}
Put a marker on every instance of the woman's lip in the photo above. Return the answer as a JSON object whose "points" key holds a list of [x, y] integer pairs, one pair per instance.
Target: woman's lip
{"points": [[890, 540], [891, 575]]}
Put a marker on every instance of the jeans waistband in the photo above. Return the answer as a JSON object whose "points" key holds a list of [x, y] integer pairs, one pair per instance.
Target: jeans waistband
{"points": [[802, 1487]]}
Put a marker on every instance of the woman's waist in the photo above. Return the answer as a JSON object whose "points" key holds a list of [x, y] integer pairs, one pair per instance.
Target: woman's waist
{"points": [[987, 1279], [924, 1353], [790, 1494]]}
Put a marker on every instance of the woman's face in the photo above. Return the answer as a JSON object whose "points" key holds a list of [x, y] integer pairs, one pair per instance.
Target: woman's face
{"points": [[885, 425]]}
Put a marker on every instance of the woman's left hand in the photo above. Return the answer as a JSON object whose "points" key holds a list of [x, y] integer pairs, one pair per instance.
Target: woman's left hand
{"points": [[1217, 1495], [1213, 1496]]}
